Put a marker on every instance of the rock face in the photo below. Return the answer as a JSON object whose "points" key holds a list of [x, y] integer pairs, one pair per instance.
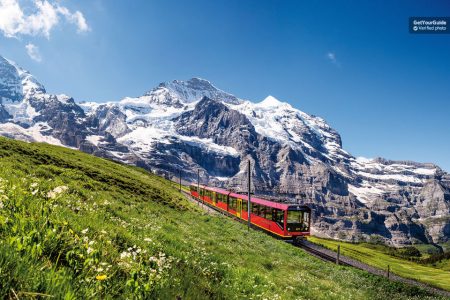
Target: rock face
{"points": [[191, 125]]}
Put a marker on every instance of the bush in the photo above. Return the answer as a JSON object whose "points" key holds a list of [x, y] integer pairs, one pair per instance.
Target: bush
{"points": [[410, 252], [375, 239]]}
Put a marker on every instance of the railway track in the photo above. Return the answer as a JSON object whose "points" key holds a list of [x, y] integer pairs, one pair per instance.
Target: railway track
{"points": [[321, 254]]}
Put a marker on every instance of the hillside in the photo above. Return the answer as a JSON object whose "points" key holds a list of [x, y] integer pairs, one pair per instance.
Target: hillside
{"points": [[76, 226]]}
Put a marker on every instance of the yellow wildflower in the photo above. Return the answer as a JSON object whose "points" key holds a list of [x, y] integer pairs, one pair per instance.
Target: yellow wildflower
{"points": [[101, 277]]}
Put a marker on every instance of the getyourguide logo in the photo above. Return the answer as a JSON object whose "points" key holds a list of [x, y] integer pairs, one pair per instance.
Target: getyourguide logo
{"points": [[429, 25]]}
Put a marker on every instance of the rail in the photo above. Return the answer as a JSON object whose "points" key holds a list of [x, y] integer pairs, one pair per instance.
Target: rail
{"points": [[321, 254]]}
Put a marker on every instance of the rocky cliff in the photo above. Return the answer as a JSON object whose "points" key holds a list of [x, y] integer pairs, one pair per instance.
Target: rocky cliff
{"points": [[191, 125]]}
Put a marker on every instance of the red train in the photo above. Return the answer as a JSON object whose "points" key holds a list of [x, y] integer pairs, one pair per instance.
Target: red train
{"points": [[286, 221]]}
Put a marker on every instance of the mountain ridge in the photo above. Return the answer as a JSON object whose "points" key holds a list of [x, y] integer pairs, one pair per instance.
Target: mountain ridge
{"points": [[191, 125]]}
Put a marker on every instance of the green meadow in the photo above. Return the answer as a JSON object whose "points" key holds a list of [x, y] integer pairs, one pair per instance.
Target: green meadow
{"points": [[375, 255], [73, 226]]}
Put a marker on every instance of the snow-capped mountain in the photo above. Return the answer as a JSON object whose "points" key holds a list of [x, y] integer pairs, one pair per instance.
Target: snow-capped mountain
{"points": [[191, 125]]}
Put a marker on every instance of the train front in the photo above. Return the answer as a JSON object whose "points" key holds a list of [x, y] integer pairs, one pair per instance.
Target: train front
{"points": [[298, 221]]}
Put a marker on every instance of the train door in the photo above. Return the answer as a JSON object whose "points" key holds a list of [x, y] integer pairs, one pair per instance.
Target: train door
{"points": [[239, 207], [214, 198]]}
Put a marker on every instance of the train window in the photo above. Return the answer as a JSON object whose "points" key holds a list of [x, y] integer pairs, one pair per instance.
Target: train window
{"points": [[258, 210], [297, 220], [255, 209], [268, 213], [306, 218], [244, 205], [278, 216], [294, 216], [233, 203], [262, 211]]}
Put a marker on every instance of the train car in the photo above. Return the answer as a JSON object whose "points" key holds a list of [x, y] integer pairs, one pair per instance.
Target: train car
{"points": [[286, 221]]}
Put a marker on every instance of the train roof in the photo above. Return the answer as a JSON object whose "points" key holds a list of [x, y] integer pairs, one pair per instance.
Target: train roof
{"points": [[282, 206], [254, 199], [264, 202], [217, 190]]}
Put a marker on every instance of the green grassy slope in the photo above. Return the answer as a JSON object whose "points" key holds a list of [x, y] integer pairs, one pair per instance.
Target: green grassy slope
{"points": [[439, 277], [74, 226]]}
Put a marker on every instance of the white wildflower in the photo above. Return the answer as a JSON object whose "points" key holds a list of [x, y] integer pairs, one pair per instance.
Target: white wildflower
{"points": [[57, 191]]}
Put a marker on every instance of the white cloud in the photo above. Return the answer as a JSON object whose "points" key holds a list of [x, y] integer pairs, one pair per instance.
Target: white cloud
{"points": [[332, 57], [42, 19], [76, 18], [33, 52]]}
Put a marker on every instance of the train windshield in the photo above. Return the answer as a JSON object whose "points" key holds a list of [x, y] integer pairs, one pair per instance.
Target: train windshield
{"points": [[297, 220]]}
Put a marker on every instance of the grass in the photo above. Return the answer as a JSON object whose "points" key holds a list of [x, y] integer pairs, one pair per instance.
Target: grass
{"points": [[73, 226], [375, 256], [427, 249], [444, 265]]}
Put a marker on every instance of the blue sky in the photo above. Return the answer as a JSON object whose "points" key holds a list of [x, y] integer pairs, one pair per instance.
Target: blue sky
{"points": [[354, 64]]}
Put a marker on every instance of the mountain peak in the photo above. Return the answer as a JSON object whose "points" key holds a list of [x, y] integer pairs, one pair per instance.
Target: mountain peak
{"points": [[271, 101], [16, 81], [10, 83], [198, 82], [194, 83], [192, 90]]}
